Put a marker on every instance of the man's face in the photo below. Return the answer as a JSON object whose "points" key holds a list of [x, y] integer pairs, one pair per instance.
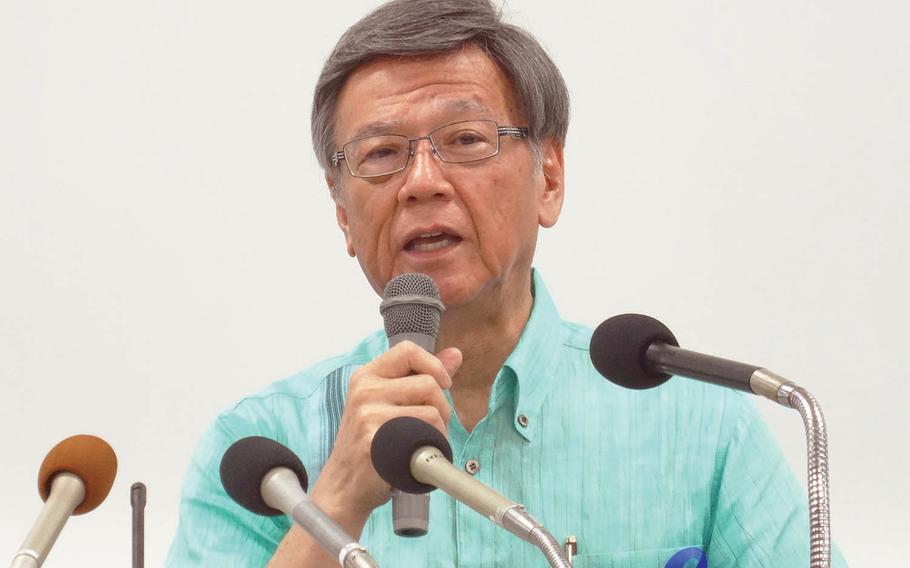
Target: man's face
{"points": [[471, 226]]}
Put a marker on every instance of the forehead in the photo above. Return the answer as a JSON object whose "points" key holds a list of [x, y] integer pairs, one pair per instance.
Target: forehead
{"points": [[412, 95]]}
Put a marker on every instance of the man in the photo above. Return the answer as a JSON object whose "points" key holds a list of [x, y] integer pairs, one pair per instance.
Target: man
{"points": [[441, 132]]}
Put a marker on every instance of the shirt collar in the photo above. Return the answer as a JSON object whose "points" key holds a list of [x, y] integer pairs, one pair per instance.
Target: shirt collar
{"points": [[530, 369], [535, 358]]}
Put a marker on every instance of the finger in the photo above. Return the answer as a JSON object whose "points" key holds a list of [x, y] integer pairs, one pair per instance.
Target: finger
{"points": [[416, 390], [451, 358], [407, 358], [428, 414]]}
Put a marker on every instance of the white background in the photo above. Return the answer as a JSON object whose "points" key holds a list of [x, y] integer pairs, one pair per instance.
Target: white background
{"points": [[737, 169]]}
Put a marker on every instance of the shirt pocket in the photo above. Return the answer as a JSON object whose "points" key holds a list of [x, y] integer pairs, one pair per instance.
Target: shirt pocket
{"points": [[677, 557]]}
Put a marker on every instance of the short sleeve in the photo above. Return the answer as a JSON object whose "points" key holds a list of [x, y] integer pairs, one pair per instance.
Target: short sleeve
{"points": [[213, 530]]}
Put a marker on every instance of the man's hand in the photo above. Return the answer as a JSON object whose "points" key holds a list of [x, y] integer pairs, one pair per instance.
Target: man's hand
{"points": [[404, 381]]}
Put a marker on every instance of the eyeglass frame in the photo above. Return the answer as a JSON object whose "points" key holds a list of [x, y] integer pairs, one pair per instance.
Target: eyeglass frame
{"points": [[513, 131]]}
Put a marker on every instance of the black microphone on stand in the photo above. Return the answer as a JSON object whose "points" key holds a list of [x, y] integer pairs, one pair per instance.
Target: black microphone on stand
{"points": [[412, 455], [638, 352], [411, 310], [266, 478]]}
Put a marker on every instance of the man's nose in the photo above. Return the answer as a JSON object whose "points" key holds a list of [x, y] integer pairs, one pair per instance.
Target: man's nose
{"points": [[426, 177]]}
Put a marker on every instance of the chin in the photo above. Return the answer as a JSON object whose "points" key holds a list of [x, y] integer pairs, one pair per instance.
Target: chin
{"points": [[456, 290]]}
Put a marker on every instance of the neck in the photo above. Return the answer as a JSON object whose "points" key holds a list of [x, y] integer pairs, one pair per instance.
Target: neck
{"points": [[486, 332]]}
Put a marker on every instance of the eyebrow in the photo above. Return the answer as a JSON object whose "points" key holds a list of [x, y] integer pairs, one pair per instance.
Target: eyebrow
{"points": [[374, 128], [451, 107], [466, 105]]}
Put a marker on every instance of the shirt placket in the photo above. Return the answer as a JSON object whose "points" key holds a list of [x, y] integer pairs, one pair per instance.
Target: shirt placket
{"points": [[474, 537]]}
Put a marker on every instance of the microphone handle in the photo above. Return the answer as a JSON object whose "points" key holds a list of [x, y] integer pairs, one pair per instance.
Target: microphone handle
{"points": [[430, 466], [281, 489], [752, 379], [673, 360], [349, 552], [410, 512], [67, 493], [306, 514]]}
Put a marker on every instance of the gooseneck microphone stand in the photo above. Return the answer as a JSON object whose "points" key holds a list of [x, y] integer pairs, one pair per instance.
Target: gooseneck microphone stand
{"points": [[761, 381], [637, 351], [790, 395]]}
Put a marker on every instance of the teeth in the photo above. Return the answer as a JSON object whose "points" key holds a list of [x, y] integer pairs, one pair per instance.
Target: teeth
{"points": [[432, 246], [426, 235]]}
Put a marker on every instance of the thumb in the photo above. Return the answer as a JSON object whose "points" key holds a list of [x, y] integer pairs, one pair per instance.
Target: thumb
{"points": [[451, 358]]}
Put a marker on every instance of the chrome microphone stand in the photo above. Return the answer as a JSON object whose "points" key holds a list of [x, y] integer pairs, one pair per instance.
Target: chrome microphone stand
{"points": [[789, 394]]}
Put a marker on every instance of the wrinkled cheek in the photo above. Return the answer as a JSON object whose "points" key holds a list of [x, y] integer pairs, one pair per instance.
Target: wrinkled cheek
{"points": [[375, 257], [497, 252], [371, 269]]}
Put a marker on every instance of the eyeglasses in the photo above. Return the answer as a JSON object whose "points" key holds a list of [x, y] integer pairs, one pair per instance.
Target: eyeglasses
{"points": [[457, 143]]}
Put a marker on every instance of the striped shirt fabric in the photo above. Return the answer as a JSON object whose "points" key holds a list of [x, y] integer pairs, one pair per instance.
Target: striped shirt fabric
{"points": [[686, 475]]}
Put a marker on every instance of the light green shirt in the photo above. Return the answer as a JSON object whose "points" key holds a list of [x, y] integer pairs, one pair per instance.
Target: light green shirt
{"points": [[638, 477]]}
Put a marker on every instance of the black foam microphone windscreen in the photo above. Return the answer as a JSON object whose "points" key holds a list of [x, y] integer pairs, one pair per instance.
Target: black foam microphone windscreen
{"points": [[247, 461], [395, 443], [618, 348]]}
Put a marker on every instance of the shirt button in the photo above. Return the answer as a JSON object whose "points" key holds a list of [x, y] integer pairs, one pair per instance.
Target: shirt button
{"points": [[522, 420], [472, 467]]}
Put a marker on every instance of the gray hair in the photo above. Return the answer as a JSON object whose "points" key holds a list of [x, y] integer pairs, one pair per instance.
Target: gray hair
{"points": [[431, 27]]}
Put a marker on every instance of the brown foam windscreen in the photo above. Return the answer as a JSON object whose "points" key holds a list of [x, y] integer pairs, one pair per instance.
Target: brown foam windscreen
{"points": [[88, 457]]}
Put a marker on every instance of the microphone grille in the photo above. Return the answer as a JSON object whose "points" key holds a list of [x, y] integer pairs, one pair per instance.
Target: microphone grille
{"points": [[618, 348], [247, 461], [88, 457], [411, 304]]}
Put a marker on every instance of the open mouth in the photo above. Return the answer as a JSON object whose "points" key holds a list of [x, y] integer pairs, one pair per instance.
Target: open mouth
{"points": [[428, 242]]}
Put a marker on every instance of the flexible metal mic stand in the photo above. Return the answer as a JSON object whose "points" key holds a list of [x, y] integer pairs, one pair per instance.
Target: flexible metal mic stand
{"points": [[789, 394]]}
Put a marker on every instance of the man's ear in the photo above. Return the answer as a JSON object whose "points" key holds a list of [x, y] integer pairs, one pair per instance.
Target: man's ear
{"points": [[341, 215], [551, 198]]}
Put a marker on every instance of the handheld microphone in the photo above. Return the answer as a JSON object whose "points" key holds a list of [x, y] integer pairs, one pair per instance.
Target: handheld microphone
{"points": [[74, 478], [413, 456], [638, 352], [411, 310], [268, 479]]}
